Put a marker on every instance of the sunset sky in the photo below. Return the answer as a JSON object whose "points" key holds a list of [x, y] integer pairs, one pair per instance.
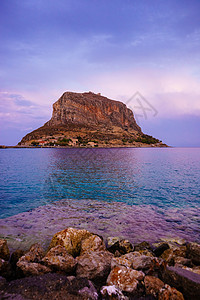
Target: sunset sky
{"points": [[115, 47]]}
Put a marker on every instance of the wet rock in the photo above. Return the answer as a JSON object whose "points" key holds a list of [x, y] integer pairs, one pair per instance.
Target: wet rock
{"points": [[169, 255], [146, 253], [112, 292], [170, 293], [182, 261], [32, 269], [160, 249], [143, 246], [4, 251], [16, 255], [125, 279], [71, 239], [123, 246], [153, 285], [45, 287], [94, 265], [183, 280], [193, 252], [58, 258], [112, 240], [92, 243]]}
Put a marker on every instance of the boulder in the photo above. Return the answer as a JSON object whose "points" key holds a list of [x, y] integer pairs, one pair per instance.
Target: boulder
{"points": [[146, 253], [94, 265], [32, 269], [122, 246], [194, 270], [71, 239], [153, 285], [5, 269], [170, 293], [4, 251], [120, 261], [182, 261], [112, 292], [35, 254], [111, 240], [92, 243], [142, 262], [58, 258], [160, 249], [183, 280], [125, 279], [193, 252], [82, 287], [143, 246], [170, 255]]}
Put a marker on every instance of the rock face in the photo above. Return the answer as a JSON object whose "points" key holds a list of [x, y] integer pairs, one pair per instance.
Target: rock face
{"points": [[88, 119]]}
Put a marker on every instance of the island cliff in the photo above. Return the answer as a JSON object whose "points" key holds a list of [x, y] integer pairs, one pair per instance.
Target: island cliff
{"points": [[89, 120]]}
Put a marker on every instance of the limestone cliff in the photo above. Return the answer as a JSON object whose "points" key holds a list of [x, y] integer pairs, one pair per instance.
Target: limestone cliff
{"points": [[87, 119]]}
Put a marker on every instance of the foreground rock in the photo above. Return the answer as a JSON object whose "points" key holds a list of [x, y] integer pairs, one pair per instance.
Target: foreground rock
{"points": [[49, 286], [58, 259], [193, 252], [185, 281], [94, 265]]}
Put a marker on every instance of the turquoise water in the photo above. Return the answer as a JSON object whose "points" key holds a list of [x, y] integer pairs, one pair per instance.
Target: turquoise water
{"points": [[161, 177]]}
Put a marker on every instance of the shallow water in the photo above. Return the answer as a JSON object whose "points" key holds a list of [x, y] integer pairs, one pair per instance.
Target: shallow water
{"points": [[150, 190]]}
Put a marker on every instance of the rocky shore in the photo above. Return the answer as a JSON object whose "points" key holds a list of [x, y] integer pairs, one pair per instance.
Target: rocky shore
{"points": [[79, 264]]}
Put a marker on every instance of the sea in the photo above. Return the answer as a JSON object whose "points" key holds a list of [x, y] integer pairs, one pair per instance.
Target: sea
{"points": [[139, 194]]}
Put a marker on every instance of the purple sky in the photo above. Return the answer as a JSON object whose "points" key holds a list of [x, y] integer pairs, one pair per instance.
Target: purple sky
{"points": [[115, 47]]}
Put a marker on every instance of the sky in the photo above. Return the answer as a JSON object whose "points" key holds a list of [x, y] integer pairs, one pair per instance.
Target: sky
{"points": [[143, 53]]}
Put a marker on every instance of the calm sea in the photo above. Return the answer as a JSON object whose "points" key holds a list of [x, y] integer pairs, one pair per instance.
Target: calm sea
{"points": [[167, 179]]}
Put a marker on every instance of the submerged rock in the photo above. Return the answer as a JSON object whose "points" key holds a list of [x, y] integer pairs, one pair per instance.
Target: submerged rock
{"points": [[4, 251], [59, 259], [71, 239]]}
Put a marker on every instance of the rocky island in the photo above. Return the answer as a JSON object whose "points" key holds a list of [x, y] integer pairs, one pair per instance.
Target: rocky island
{"points": [[89, 120]]}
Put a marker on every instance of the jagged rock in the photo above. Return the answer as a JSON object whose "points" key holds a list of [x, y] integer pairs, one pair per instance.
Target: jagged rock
{"points": [[125, 279], [94, 265], [146, 253], [123, 246], [120, 261], [183, 280], [92, 243], [112, 292], [143, 246], [32, 269], [170, 293], [169, 255], [193, 252], [160, 249], [4, 251], [71, 239], [59, 259], [15, 256], [153, 285], [182, 261], [142, 262], [111, 240], [35, 254]]}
